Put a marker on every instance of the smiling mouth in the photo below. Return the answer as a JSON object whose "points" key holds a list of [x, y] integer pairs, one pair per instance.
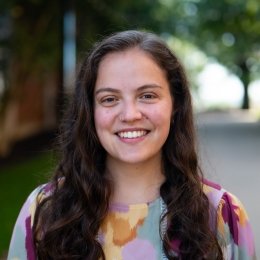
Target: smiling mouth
{"points": [[132, 134]]}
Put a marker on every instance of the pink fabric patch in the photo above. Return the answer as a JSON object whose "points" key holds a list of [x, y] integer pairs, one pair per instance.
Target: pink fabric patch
{"points": [[139, 249], [246, 239], [211, 184]]}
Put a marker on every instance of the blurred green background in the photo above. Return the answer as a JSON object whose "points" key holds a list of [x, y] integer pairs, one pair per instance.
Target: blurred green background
{"points": [[41, 41]]}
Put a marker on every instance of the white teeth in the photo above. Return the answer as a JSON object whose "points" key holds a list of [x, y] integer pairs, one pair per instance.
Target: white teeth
{"points": [[132, 134]]}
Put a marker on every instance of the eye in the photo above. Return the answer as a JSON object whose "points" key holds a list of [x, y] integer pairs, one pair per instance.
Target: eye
{"points": [[108, 100], [148, 96]]}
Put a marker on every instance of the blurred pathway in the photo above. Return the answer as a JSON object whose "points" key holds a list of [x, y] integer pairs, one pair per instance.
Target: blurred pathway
{"points": [[230, 155]]}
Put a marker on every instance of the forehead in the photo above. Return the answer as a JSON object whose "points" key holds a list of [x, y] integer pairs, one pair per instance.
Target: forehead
{"points": [[128, 54], [133, 65]]}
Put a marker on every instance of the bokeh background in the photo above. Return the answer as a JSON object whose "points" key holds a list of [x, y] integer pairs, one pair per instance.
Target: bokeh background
{"points": [[42, 41]]}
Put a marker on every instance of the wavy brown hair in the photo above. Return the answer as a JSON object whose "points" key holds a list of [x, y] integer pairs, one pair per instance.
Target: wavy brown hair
{"points": [[67, 222]]}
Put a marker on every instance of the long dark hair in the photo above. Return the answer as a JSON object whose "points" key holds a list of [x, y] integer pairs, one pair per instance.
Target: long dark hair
{"points": [[67, 221]]}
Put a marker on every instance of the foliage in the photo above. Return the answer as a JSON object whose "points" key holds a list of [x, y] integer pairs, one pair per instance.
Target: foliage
{"points": [[34, 40], [32, 45], [227, 30], [97, 18]]}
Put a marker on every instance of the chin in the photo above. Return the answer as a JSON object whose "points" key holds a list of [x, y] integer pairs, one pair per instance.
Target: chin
{"points": [[136, 160]]}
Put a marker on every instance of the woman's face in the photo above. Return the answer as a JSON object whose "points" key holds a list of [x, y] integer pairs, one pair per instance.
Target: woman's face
{"points": [[133, 106]]}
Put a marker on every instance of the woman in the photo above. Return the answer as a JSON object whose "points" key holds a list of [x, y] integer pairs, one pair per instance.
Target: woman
{"points": [[128, 185]]}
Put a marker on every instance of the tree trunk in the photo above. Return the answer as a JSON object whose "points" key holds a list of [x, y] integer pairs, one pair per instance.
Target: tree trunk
{"points": [[245, 78]]}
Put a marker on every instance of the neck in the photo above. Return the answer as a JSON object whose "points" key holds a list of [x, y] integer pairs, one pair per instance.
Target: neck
{"points": [[135, 183]]}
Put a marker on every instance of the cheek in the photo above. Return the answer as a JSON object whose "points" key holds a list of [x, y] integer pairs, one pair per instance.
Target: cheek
{"points": [[103, 120], [162, 115]]}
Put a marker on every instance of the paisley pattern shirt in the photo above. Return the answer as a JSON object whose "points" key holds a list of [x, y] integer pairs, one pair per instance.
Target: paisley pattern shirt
{"points": [[132, 232]]}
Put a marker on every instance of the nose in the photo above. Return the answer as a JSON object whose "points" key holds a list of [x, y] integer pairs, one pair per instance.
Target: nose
{"points": [[130, 112]]}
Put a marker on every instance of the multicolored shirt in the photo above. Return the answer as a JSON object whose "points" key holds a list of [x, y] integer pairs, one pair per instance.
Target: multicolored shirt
{"points": [[132, 232]]}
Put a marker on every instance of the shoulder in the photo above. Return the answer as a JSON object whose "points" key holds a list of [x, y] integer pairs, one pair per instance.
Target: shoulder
{"points": [[228, 207], [232, 223], [226, 203], [22, 245], [36, 196], [234, 228], [27, 211], [32, 200], [213, 191]]}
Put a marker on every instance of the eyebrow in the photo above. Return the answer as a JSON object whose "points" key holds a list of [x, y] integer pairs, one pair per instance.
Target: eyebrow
{"points": [[113, 90]]}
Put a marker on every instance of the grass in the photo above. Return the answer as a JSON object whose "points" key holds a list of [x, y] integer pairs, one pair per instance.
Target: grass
{"points": [[16, 183]]}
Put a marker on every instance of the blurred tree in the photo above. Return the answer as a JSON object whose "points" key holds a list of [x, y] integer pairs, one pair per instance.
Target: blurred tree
{"points": [[33, 69], [34, 38], [227, 30], [35, 42], [98, 18]]}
